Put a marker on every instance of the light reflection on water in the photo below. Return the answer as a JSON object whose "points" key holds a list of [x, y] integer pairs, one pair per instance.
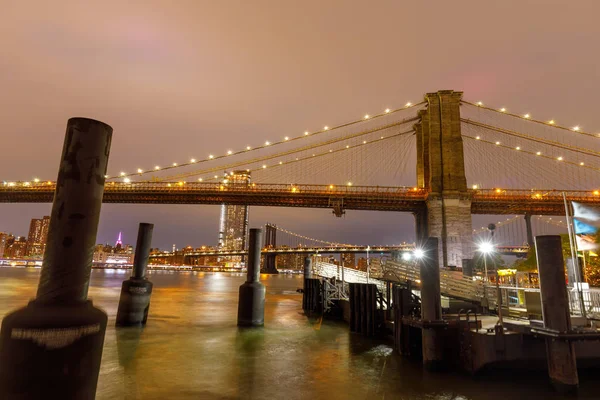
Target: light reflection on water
{"points": [[192, 348]]}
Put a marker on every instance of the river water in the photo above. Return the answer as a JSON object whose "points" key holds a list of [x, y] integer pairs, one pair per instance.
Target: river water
{"points": [[191, 348]]}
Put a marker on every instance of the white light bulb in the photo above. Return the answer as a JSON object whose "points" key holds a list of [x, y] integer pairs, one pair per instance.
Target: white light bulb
{"points": [[140, 171], [367, 116], [199, 179], [526, 116], [326, 127], [539, 153], [503, 109], [306, 133], [193, 160], [157, 168], [286, 138], [229, 152], [267, 143], [210, 156], [477, 137], [174, 164], [126, 180], [408, 104], [387, 110], [264, 166], [576, 128], [122, 174]]}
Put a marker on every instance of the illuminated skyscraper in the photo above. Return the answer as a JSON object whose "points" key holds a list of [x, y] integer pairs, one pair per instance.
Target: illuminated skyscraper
{"points": [[233, 225], [119, 243], [38, 235]]}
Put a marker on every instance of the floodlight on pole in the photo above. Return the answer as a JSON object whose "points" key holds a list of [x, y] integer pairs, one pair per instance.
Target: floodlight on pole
{"points": [[419, 253]]}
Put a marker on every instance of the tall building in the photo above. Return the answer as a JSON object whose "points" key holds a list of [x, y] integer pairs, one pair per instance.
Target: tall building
{"points": [[3, 237], [233, 225], [38, 235], [16, 247], [349, 260]]}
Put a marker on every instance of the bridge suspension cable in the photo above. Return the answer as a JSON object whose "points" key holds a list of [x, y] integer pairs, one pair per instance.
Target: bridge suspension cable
{"points": [[334, 244], [248, 149], [538, 154], [527, 117], [532, 138], [296, 150]]}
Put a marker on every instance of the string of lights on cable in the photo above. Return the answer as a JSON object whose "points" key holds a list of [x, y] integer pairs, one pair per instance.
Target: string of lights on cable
{"points": [[533, 153], [286, 139], [528, 117], [284, 153]]}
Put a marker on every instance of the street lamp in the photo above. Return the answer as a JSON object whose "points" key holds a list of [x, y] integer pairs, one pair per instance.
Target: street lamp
{"points": [[485, 248], [368, 265], [419, 253]]}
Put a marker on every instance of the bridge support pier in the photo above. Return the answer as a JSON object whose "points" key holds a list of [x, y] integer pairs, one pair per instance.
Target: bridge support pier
{"points": [[270, 266], [431, 307], [441, 170], [529, 231], [251, 303], [52, 348], [562, 364], [134, 302]]}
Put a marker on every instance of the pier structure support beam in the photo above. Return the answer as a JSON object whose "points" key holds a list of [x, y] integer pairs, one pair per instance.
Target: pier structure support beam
{"points": [[562, 364], [52, 348], [251, 304], [431, 306], [134, 301], [270, 266], [441, 171], [307, 267]]}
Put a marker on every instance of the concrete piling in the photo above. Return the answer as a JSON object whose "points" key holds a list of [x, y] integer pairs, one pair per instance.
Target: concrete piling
{"points": [[134, 302], [251, 304], [307, 267], [431, 306], [52, 348], [562, 364]]}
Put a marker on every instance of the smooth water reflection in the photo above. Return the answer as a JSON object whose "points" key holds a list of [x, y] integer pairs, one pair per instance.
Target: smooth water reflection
{"points": [[192, 348]]}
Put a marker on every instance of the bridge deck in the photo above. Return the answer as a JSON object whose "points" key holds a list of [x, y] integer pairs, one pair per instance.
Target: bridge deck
{"points": [[381, 198]]}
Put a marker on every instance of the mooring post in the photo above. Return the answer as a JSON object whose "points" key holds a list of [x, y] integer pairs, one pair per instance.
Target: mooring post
{"points": [[251, 304], [52, 348], [136, 291], [431, 305], [562, 364]]}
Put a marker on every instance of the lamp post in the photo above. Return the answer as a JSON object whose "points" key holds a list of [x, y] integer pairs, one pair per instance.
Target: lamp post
{"points": [[485, 248], [368, 264]]}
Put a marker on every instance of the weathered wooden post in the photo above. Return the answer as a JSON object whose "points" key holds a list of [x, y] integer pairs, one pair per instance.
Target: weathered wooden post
{"points": [[52, 348], [562, 364], [136, 291], [251, 303]]}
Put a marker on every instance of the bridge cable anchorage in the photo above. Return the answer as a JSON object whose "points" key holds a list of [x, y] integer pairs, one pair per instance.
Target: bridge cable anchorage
{"points": [[526, 117], [249, 149], [532, 138], [310, 157], [536, 154]]}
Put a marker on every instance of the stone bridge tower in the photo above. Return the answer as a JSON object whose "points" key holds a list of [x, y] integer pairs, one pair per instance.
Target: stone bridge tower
{"points": [[441, 171]]}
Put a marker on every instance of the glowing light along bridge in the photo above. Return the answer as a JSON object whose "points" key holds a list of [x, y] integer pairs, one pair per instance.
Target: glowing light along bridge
{"points": [[380, 198], [504, 250], [455, 157]]}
